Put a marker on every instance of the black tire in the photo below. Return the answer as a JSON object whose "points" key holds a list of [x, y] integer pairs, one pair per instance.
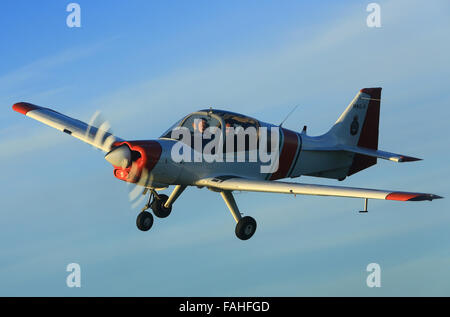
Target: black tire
{"points": [[158, 207], [144, 221], [245, 228]]}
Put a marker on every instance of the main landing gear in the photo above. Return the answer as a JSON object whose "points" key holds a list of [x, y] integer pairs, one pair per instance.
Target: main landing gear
{"points": [[160, 204], [245, 226]]}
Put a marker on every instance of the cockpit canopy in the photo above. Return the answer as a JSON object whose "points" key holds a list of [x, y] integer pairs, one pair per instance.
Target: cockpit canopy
{"points": [[213, 118]]}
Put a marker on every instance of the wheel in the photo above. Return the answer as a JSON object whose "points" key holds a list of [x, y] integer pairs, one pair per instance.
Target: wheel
{"points": [[144, 221], [158, 207], [245, 228]]}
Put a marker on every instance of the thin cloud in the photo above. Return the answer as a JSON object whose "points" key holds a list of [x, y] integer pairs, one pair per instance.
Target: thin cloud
{"points": [[34, 70]]}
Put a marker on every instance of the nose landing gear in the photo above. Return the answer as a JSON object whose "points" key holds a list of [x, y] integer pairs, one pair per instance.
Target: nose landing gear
{"points": [[144, 221], [160, 204]]}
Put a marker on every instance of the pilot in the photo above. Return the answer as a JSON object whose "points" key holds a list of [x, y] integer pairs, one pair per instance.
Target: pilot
{"points": [[202, 125], [228, 128], [199, 125]]}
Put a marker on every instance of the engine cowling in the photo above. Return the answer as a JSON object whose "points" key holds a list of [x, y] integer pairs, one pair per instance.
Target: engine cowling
{"points": [[133, 159]]}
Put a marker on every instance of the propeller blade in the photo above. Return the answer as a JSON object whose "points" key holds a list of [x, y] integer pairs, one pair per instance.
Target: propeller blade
{"points": [[99, 132]]}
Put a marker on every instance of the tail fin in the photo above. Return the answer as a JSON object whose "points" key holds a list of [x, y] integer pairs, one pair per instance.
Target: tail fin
{"points": [[358, 126]]}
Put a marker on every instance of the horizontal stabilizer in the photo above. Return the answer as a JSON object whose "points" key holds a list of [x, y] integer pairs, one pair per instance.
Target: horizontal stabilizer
{"points": [[378, 154]]}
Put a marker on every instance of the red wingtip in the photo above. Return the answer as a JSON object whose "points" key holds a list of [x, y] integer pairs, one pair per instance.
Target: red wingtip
{"points": [[401, 196], [24, 107]]}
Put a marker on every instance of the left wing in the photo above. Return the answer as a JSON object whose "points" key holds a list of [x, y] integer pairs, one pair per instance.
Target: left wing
{"points": [[98, 137], [243, 184]]}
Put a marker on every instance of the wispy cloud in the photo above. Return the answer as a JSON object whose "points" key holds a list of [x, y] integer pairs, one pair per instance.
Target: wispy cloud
{"points": [[37, 69]]}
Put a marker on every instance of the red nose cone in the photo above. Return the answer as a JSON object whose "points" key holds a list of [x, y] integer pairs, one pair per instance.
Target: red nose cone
{"points": [[148, 156]]}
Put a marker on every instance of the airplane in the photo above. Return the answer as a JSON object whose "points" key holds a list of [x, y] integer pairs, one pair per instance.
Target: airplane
{"points": [[350, 146]]}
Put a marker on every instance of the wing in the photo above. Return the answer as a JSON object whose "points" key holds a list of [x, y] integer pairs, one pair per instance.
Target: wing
{"points": [[242, 184], [97, 137]]}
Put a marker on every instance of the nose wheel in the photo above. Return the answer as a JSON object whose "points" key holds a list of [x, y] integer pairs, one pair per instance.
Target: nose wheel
{"points": [[160, 204], [144, 221]]}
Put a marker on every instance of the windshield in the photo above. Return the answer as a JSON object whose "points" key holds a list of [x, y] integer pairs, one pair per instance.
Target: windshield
{"points": [[196, 122], [168, 132], [236, 120], [200, 121]]}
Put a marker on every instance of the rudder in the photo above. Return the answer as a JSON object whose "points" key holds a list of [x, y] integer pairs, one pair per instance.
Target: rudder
{"points": [[369, 131], [358, 126]]}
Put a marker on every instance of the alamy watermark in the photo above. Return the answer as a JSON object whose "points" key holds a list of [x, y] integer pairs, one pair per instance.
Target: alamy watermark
{"points": [[374, 278], [235, 144], [374, 18], [74, 278], [74, 18]]}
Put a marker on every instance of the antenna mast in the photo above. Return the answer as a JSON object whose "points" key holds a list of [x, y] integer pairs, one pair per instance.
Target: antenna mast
{"points": [[289, 114]]}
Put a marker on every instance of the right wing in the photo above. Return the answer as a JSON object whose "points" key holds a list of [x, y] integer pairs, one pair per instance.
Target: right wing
{"points": [[243, 184], [95, 136]]}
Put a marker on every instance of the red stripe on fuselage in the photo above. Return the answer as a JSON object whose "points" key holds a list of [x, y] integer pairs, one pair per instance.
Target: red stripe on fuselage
{"points": [[288, 151]]}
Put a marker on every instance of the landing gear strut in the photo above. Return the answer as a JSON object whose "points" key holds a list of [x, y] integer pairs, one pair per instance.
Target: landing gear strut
{"points": [[245, 226], [160, 204]]}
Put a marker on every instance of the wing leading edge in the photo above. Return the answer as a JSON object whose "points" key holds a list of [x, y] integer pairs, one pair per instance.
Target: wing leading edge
{"points": [[97, 137], [242, 184]]}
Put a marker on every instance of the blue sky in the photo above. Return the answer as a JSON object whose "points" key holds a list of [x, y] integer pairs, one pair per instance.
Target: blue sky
{"points": [[145, 64]]}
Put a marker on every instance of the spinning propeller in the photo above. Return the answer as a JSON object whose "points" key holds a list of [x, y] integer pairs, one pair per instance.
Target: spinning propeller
{"points": [[126, 161]]}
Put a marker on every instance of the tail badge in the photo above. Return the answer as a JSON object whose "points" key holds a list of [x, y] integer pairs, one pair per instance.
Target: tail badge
{"points": [[354, 127]]}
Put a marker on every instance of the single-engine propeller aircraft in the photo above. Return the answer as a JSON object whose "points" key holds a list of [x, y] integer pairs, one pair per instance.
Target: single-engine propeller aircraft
{"points": [[350, 146]]}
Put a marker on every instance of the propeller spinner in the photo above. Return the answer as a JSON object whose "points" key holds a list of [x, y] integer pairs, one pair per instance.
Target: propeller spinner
{"points": [[119, 156]]}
